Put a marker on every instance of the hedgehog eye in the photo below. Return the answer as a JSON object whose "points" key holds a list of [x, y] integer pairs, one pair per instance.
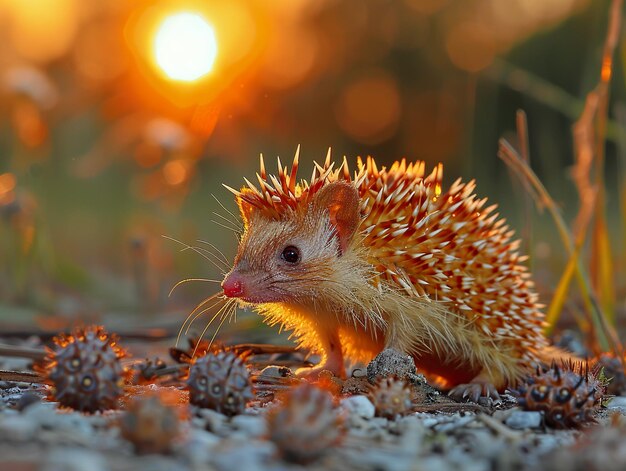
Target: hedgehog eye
{"points": [[291, 254]]}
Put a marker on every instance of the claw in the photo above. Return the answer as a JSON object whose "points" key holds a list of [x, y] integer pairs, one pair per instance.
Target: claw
{"points": [[474, 391]]}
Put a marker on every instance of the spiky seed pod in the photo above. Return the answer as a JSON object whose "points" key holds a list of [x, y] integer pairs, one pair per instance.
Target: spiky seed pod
{"points": [[567, 394], [150, 425], [612, 369], [85, 370], [391, 397], [220, 381], [306, 425]]}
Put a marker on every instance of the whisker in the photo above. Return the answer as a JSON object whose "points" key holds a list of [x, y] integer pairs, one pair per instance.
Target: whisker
{"points": [[219, 252], [186, 280], [205, 301], [234, 224], [236, 231], [215, 316], [235, 218], [224, 317], [195, 249], [199, 313], [221, 310], [206, 255], [216, 257]]}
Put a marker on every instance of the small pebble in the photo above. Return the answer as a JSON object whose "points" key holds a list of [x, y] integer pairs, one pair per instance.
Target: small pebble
{"points": [[249, 455], [524, 419], [452, 423], [359, 405], [275, 372], [391, 362], [74, 459], [199, 446], [18, 428], [26, 400], [252, 425], [429, 421], [44, 415], [210, 420], [618, 402]]}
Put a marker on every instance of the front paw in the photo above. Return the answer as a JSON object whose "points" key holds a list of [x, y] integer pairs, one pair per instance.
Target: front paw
{"points": [[474, 391]]}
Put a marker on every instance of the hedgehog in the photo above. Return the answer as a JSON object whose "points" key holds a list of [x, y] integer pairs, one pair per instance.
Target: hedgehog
{"points": [[353, 263]]}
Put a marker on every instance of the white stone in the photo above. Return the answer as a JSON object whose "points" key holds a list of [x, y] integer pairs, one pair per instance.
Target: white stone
{"points": [[18, 427], [73, 459], [524, 419], [251, 425], [359, 405]]}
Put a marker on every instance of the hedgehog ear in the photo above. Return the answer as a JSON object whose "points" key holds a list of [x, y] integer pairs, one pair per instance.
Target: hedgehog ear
{"points": [[342, 202], [245, 208]]}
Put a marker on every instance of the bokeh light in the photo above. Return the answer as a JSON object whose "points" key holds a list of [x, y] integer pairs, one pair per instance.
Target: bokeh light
{"points": [[191, 53], [7, 184], [369, 108], [41, 30], [185, 47]]}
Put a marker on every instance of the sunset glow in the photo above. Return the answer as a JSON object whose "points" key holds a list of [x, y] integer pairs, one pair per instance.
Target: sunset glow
{"points": [[185, 47]]}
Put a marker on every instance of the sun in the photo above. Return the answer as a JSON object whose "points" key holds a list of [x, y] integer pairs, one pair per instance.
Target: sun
{"points": [[185, 47]]}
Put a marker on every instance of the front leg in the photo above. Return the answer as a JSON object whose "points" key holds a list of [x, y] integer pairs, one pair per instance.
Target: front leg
{"points": [[329, 347]]}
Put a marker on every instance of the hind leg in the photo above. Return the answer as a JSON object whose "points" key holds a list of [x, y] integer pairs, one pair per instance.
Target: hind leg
{"points": [[480, 386]]}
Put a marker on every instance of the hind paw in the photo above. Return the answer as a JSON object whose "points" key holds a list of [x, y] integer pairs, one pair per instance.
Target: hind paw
{"points": [[474, 391]]}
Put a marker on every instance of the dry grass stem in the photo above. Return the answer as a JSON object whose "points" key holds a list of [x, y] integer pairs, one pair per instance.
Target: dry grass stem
{"points": [[524, 150], [588, 172], [605, 335]]}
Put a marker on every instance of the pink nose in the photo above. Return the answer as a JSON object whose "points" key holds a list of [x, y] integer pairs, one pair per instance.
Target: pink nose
{"points": [[232, 286]]}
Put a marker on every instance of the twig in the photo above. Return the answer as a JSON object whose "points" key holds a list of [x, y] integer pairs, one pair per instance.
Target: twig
{"points": [[168, 370], [21, 376], [449, 408], [22, 352], [151, 334], [269, 381], [260, 364], [262, 349], [499, 427]]}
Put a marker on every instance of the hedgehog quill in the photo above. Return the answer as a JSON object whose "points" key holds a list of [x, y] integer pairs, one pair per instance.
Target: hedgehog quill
{"points": [[387, 258]]}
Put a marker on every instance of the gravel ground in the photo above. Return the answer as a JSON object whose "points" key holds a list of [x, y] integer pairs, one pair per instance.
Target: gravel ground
{"points": [[41, 437], [36, 434]]}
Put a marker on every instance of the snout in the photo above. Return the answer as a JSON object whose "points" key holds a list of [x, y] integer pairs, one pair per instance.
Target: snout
{"points": [[233, 285], [248, 287]]}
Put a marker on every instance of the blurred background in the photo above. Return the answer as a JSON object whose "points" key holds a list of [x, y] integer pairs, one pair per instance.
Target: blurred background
{"points": [[119, 121]]}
